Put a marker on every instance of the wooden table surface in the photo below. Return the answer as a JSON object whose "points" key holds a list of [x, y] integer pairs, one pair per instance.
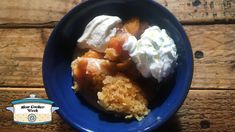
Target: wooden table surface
{"points": [[25, 26]]}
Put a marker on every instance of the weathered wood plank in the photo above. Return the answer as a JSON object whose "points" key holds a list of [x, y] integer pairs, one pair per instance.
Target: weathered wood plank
{"points": [[214, 55], [203, 110], [31, 11], [21, 52], [44, 11], [190, 11]]}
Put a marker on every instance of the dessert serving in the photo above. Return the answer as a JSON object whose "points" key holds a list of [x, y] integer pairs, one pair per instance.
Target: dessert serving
{"points": [[121, 59]]}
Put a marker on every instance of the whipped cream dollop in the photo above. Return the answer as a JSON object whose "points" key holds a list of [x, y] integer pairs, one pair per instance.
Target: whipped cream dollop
{"points": [[98, 32], [154, 53]]}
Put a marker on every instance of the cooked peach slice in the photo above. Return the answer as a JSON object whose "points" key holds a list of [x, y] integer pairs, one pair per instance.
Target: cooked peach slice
{"points": [[93, 54], [132, 26], [114, 52]]}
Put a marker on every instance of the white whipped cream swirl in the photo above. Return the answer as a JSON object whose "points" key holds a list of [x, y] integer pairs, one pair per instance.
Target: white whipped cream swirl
{"points": [[154, 53]]}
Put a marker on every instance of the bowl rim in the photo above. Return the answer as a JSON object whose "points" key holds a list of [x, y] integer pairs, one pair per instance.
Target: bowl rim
{"points": [[189, 76]]}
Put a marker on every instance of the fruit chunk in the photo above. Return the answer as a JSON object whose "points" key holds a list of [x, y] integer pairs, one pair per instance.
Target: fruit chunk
{"points": [[114, 52], [132, 26], [93, 54]]}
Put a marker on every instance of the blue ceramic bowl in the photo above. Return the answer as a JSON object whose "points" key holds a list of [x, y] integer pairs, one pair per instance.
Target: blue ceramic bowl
{"points": [[58, 56]]}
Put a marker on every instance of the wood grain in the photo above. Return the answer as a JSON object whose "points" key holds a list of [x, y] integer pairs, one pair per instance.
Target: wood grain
{"points": [[198, 11], [203, 110], [34, 11], [217, 66], [15, 13], [21, 52]]}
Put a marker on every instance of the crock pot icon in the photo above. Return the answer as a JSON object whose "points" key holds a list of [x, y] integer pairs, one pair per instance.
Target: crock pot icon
{"points": [[32, 110]]}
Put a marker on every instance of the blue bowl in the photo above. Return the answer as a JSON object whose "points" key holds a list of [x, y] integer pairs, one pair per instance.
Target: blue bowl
{"points": [[59, 52]]}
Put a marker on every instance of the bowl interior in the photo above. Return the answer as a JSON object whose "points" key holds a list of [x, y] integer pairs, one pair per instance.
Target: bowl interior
{"points": [[60, 49]]}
